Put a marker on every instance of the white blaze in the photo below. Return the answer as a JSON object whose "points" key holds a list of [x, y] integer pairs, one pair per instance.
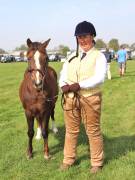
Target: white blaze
{"points": [[37, 63]]}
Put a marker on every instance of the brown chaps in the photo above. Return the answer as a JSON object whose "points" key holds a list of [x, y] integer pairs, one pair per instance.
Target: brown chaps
{"points": [[88, 111]]}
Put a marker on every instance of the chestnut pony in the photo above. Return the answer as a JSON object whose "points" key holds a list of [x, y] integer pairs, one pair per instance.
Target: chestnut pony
{"points": [[38, 92]]}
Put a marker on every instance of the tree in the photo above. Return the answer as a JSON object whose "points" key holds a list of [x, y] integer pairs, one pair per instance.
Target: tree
{"points": [[125, 45], [132, 46], [63, 49], [2, 51], [114, 44], [23, 47], [100, 44]]}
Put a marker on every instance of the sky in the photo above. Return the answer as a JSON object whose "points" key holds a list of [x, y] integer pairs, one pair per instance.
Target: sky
{"points": [[40, 20]]}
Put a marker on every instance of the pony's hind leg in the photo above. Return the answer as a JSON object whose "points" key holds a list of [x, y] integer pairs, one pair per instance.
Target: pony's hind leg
{"points": [[30, 123], [39, 131], [54, 128]]}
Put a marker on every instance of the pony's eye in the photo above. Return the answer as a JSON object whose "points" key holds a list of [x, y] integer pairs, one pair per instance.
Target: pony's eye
{"points": [[29, 58]]}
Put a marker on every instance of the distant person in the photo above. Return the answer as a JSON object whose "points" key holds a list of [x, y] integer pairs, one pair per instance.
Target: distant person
{"points": [[80, 80], [57, 57], [108, 56], [122, 57]]}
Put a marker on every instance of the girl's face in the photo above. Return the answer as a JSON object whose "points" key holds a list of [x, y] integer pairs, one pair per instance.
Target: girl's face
{"points": [[85, 42]]}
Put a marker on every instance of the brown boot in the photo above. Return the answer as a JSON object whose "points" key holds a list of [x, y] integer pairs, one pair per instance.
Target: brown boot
{"points": [[64, 166], [95, 169]]}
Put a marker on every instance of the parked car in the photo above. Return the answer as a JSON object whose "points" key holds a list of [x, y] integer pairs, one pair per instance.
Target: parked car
{"points": [[18, 59], [6, 59], [62, 58], [1, 57], [54, 57]]}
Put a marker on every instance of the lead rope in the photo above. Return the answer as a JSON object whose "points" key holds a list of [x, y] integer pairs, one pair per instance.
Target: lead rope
{"points": [[76, 103]]}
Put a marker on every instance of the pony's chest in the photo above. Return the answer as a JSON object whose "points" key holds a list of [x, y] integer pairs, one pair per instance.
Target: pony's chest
{"points": [[37, 104], [39, 107]]}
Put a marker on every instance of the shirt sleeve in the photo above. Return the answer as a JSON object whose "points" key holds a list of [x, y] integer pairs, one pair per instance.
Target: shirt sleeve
{"points": [[99, 76], [63, 75]]}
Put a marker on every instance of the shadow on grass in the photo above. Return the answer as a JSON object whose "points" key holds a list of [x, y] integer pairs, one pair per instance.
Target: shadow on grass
{"points": [[115, 77], [130, 72], [113, 147], [129, 75], [118, 146], [82, 139], [125, 76]]}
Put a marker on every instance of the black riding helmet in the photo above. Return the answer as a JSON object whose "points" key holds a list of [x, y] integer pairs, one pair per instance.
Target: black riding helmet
{"points": [[84, 28]]}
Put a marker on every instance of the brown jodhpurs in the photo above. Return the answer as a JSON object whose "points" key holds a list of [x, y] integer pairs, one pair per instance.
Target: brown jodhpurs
{"points": [[90, 114]]}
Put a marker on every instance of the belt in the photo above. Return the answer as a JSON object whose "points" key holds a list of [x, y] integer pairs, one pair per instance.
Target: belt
{"points": [[85, 92]]}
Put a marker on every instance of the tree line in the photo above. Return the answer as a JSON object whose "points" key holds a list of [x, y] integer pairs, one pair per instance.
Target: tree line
{"points": [[99, 43], [112, 44]]}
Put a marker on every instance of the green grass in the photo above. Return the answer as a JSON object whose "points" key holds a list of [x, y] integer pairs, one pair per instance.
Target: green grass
{"points": [[118, 127]]}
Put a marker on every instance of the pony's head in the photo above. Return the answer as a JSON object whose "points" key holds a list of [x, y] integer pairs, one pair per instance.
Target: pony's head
{"points": [[37, 62]]}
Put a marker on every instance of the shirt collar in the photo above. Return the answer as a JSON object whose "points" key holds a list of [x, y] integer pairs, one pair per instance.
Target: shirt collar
{"points": [[88, 52]]}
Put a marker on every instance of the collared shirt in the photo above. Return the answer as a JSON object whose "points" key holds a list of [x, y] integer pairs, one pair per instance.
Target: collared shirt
{"points": [[98, 78], [83, 55]]}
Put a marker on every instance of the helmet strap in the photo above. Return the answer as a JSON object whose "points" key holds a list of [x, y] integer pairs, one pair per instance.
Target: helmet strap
{"points": [[77, 51]]}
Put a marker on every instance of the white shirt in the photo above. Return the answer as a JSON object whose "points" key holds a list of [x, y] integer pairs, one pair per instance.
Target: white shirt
{"points": [[98, 78]]}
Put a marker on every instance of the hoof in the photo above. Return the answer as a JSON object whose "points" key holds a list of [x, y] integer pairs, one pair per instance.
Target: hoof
{"points": [[29, 156], [47, 157]]}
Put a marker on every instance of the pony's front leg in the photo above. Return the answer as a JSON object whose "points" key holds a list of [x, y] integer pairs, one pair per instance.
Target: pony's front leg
{"points": [[45, 123], [30, 123]]}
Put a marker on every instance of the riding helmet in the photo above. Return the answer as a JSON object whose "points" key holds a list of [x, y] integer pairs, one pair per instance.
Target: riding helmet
{"points": [[84, 28]]}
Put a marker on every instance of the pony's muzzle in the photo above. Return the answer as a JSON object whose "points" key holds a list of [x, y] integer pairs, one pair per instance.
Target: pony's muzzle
{"points": [[38, 85]]}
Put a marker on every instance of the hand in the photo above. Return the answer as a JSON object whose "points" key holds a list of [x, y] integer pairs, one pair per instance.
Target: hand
{"points": [[74, 87], [65, 88]]}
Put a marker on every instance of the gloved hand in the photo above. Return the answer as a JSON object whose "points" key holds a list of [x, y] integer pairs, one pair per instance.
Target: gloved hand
{"points": [[65, 88], [74, 87]]}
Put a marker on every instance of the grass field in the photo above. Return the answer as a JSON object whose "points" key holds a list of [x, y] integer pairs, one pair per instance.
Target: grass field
{"points": [[118, 127]]}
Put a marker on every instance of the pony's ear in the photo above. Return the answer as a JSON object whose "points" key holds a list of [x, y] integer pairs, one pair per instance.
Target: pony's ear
{"points": [[29, 42], [45, 44]]}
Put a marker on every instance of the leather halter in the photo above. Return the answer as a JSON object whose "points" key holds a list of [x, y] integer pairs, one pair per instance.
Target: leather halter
{"points": [[42, 73]]}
